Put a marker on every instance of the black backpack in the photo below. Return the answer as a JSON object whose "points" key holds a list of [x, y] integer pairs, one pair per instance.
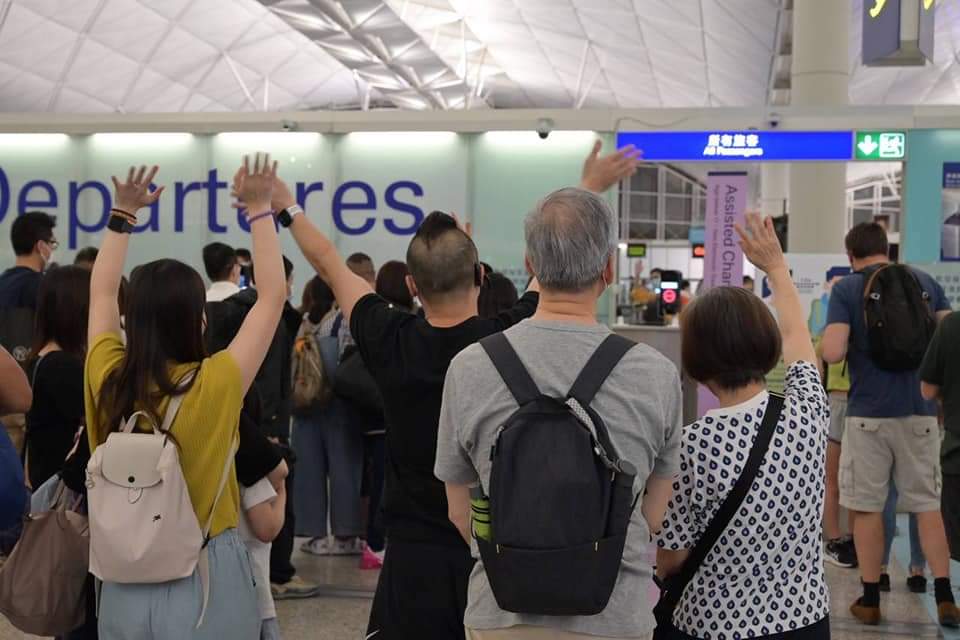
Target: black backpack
{"points": [[16, 332], [560, 498], [899, 318]]}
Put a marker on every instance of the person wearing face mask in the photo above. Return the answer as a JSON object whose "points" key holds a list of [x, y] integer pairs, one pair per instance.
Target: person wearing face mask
{"points": [[31, 235]]}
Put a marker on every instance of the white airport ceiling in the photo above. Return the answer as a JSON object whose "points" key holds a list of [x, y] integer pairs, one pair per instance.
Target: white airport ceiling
{"points": [[277, 55]]}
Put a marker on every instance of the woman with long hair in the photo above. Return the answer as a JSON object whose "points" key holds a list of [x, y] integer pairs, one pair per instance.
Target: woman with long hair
{"points": [[164, 356], [60, 345]]}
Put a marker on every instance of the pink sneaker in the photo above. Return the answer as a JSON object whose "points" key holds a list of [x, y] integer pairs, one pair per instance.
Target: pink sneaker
{"points": [[371, 559]]}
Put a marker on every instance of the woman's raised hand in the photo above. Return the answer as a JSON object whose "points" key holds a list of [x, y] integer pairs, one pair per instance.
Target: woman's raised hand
{"points": [[760, 243], [253, 186], [134, 194]]}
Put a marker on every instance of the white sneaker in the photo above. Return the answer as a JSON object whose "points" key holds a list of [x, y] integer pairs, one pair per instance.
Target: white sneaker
{"points": [[317, 547], [350, 547]]}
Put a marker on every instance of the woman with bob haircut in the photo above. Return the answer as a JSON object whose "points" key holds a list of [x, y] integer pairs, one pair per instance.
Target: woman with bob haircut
{"points": [[164, 356], [764, 576]]}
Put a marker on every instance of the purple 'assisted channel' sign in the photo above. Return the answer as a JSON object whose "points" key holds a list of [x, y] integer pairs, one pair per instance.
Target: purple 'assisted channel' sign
{"points": [[726, 206]]}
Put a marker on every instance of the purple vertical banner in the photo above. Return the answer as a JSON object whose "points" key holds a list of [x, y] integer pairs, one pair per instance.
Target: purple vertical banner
{"points": [[723, 258]]}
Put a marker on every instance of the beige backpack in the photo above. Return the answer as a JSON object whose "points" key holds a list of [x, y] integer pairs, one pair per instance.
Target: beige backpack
{"points": [[42, 582], [143, 529]]}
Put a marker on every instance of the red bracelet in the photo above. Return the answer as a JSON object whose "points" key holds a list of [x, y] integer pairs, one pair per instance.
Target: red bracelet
{"points": [[252, 219], [124, 214]]}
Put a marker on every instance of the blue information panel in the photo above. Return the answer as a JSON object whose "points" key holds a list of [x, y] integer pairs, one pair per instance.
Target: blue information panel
{"points": [[740, 146]]}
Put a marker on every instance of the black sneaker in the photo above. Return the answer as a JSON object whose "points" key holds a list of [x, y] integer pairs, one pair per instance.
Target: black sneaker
{"points": [[840, 553], [885, 582]]}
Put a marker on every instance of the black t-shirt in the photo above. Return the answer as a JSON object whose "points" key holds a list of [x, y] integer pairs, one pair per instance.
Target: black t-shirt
{"points": [[19, 288], [409, 359], [942, 368], [55, 415]]}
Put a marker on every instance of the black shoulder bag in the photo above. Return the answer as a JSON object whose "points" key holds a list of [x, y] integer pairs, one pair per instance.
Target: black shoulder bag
{"points": [[672, 588]]}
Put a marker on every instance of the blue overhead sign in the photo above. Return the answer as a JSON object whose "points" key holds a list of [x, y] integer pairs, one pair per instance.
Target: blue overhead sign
{"points": [[740, 146]]}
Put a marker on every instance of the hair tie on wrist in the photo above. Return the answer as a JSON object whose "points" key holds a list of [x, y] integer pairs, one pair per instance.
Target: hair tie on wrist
{"points": [[252, 219], [124, 214]]}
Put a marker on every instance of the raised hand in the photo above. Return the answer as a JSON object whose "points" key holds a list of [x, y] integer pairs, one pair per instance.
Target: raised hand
{"points": [[282, 196], [599, 174], [253, 186], [134, 194], [760, 243]]}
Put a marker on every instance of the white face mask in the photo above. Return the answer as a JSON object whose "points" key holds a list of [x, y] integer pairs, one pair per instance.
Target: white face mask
{"points": [[47, 259]]}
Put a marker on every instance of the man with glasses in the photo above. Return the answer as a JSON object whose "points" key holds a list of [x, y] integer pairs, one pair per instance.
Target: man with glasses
{"points": [[33, 243]]}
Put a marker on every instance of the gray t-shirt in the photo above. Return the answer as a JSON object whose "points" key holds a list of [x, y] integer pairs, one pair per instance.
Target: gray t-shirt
{"points": [[640, 404]]}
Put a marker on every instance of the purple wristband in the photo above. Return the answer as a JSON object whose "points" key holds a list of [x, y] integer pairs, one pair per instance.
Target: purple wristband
{"points": [[252, 219]]}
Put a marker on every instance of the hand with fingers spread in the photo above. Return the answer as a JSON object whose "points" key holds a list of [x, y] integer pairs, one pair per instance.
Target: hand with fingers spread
{"points": [[135, 193], [760, 243], [253, 186], [466, 227], [599, 174]]}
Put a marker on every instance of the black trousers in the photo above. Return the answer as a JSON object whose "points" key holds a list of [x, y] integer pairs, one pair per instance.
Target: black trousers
{"points": [[817, 631], [281, 569], [422, 592], [950, 507]]}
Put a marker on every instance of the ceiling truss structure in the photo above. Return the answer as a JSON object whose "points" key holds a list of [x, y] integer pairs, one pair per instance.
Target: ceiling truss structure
{"points": [[156, 56]]}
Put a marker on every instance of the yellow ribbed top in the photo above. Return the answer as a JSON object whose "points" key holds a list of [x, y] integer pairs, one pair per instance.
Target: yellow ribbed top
{"points": [[204, 429]]}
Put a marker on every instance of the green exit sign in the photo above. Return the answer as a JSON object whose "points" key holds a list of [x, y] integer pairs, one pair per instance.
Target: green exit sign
{"points": [[881, 145]]}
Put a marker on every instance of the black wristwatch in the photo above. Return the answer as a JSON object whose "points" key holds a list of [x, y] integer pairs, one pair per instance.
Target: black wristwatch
{"points": [[119, 224], [285, 217]]}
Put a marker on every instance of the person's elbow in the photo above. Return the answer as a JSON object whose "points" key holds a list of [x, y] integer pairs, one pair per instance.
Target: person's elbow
{"points": [[929, 391], [22, 401], [834, 351], [267, 527]]}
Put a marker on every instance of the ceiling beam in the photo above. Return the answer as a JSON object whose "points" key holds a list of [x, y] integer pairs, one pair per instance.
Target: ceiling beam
{"points": [[74, 51]]}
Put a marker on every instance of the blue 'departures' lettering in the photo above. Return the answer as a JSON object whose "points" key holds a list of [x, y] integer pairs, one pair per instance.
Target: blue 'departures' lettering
{"points": [[355, 205]]}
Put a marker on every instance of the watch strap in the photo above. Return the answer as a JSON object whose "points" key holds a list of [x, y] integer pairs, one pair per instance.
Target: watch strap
{"points": [[285, 217], [119, 224]]}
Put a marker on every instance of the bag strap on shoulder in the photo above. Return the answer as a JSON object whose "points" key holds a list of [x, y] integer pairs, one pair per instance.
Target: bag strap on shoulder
{"points": [[599, 367], [510, 368], [173, 407], [731, 504]]}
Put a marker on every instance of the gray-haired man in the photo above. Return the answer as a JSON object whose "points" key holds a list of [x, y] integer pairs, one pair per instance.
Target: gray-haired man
{"points": [[571, 248]]}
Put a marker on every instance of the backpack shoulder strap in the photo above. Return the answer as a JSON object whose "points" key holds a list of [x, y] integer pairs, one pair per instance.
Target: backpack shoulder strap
{"points": [[173, 407], [510, 368], [599, 367], [730, 505]]}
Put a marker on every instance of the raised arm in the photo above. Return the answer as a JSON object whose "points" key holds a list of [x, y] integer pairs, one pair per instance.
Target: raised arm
{"points": [[253, 187], [762, 248], [129, 197], [599, 174], [322, 254]]}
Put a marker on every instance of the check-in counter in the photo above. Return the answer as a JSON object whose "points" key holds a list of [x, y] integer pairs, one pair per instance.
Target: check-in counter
{"points": [[666, 340]]}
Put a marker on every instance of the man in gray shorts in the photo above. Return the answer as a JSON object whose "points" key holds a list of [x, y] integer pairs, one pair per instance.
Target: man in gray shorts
{"points": [[891, 431]]}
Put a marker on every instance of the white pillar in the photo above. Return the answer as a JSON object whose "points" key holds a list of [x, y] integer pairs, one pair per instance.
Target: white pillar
{"points": [[820, 77], [774, 188]]}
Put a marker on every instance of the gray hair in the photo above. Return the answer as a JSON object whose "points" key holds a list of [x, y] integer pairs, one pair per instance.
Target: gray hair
{"points": [[570, 236]]}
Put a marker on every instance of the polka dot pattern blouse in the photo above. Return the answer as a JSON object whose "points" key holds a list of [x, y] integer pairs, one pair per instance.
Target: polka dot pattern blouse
{"points": [[765, 575]]}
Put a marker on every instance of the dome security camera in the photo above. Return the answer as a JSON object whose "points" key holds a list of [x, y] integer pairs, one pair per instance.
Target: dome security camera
{"points": [[544, 127], [289, 125]]}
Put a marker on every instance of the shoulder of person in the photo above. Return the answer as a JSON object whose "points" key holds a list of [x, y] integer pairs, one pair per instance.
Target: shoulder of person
{"points": [[644, 357]]}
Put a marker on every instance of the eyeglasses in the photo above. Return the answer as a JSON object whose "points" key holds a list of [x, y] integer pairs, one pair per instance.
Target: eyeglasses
{"points": [[53, 243]]}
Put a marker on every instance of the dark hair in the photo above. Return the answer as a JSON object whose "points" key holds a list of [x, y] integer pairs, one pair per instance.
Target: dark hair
{"points": [[287, 270], [29, 229], [164, 326], [497, 295], [318, 299], [684, 285], [219, 261], [63, 304], [392, 284], [87, 255], [866, 240], [244, 254], [729, 338], [442, 258]]}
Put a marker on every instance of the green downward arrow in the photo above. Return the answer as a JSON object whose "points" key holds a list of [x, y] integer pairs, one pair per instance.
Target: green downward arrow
{"points": [[867, 146]]}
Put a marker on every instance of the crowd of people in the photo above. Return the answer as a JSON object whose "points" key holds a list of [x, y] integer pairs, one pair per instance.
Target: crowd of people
{"points": [[505, 460]]}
